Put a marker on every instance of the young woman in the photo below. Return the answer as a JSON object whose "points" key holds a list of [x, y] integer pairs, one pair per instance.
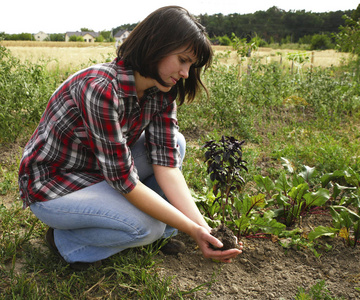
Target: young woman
{"points": [[102, 169]]}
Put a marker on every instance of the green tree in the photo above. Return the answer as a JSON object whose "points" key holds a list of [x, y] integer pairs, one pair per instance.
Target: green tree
{"points": [[348, 40], [321, 42], [57, 37], [356, 14], [75, 38], [99, 39]]}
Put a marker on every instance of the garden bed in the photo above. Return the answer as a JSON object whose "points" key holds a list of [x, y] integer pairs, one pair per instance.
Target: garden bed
{"points": [[266, 270]]}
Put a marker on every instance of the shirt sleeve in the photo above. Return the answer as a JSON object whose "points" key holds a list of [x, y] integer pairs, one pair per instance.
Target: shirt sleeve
{"points": [[102, 112], [161, 138]]}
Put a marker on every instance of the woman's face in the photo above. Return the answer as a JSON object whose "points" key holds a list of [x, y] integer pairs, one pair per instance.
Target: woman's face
{"points": [[174, 67]]}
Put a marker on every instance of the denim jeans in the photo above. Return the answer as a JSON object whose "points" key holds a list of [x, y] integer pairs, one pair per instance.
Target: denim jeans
{"points": [[96, 222]]}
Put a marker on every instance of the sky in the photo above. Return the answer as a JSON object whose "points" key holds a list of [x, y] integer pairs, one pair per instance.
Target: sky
{"points": [[18, 16]]}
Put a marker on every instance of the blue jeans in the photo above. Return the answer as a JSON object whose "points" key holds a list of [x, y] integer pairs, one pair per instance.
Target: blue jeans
{"points": [[96, 222]]}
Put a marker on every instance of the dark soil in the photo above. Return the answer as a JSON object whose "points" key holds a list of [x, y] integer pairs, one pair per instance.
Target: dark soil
{"points": [[226, 236]]}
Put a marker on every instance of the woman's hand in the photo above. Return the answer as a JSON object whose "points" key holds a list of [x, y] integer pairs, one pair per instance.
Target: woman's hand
{"points": [[203, 238]]}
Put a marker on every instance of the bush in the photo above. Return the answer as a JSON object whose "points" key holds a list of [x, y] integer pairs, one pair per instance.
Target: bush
{"points": [[24, 91], [75, 38], [99, 39], [225, 40], [321, 42]]}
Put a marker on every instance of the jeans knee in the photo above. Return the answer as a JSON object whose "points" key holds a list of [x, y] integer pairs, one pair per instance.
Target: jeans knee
{"points": [[154, 231]]}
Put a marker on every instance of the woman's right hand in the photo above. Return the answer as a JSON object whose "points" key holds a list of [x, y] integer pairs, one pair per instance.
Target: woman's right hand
{"points": [[203, 238]]}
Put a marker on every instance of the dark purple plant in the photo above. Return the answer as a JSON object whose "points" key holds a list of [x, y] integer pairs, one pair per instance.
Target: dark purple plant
{"points": [[224, 165]]}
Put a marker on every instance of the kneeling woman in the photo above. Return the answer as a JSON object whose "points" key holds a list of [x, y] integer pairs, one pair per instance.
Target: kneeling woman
{"points": [[103, 167]]}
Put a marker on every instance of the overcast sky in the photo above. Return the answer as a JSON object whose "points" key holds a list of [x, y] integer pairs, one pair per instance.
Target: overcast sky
{"points": [[32, 16]]}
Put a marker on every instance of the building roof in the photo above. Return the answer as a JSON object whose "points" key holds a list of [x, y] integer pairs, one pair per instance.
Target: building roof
{"points": [[83, 33], [120, 33]]}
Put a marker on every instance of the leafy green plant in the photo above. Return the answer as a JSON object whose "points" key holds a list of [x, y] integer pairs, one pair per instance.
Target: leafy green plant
{"points": [[346, 215], [292, 197], [24, 91]]}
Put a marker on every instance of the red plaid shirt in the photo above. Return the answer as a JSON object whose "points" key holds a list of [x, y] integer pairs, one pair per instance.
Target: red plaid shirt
{"points": [[86, 130]]}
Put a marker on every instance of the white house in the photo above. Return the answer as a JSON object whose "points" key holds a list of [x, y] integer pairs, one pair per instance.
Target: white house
{"points": [[88, 36], [40, 36], [121, 36]]}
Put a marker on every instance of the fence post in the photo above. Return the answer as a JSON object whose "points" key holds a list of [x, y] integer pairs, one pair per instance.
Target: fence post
{"points": [[312, 61]]}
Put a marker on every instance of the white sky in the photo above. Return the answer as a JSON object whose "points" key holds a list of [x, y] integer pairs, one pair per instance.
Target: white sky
{"points": [[17, 16]]}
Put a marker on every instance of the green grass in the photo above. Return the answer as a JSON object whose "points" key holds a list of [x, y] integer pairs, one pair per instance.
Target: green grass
{"points": [[310, 118], [28, 270]]}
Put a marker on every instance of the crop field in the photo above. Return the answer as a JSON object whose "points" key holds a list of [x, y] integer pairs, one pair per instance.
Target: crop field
{"points": [[75, 54], [297, 211]]}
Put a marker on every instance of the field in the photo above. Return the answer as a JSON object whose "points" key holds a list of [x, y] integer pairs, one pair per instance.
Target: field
{"points": [[295, 119], [62, 55]]}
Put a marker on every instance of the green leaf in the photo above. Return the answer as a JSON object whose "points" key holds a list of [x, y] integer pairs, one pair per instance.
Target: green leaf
{"points": [[282, 200], [339, 188], [282, 184], [246, 205], [287, 165], [322, 231], [354, 216], [325, 179], [268, 226], [317, 198], [298, 192], [308, 173], [265, 183], [258, 200], [242, 223], [352, 177]]}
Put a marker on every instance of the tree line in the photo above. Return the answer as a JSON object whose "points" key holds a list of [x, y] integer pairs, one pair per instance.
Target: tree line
{"points": [[272, 25]]}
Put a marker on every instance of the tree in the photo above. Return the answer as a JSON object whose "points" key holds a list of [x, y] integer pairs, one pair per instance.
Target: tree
{"points": [[349, 40], [75, 38], [57, 37], [99, 39], [356, 14], [321, 42]]}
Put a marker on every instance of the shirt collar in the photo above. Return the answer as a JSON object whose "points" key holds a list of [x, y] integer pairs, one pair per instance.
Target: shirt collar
{"points": [[126, 79]]}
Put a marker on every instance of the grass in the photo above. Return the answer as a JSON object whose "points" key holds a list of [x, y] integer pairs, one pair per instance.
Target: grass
{"points": [[29, 271], [310, 116]]}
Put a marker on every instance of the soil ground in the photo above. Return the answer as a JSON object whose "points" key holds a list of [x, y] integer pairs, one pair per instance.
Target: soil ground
{"points": [[266, 270]]}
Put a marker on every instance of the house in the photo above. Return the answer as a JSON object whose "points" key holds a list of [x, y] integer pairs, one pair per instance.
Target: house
{"points": [[121, 36], [88, 36], [40, 36]]}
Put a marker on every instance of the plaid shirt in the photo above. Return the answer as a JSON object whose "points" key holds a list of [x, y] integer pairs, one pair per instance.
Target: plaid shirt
{"points": [[86, 132]]}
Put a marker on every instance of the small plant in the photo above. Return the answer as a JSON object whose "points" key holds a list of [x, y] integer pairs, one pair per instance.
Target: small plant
{"points": [[346, 215], [224, 160], [317, 291], [292, 196], [225, 201], [225, 163]]}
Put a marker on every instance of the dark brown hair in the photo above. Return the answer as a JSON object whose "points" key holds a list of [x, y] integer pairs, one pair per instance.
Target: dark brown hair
{"points": [[162, 32]]}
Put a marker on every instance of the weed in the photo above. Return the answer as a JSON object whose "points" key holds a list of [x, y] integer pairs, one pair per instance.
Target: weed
{"points": [[318, 291]]}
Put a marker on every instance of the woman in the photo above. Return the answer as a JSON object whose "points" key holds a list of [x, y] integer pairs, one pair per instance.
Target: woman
{"points": [[103, 167]]}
